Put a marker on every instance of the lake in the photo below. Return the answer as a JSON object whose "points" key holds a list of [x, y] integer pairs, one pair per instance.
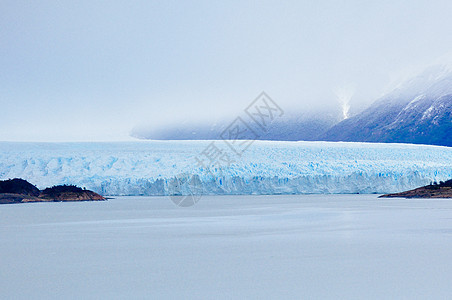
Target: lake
{"points": [[275, 247]]}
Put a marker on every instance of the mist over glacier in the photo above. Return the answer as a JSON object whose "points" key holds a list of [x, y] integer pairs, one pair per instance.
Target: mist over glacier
{"points": [[150, 168]]}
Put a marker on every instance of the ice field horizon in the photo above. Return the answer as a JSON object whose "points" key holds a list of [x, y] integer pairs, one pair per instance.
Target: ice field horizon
{"points": [[263, 167]]}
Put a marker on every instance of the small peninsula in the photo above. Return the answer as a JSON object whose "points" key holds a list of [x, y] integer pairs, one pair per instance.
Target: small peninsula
{"points": [[433, 190], [21, 191]]}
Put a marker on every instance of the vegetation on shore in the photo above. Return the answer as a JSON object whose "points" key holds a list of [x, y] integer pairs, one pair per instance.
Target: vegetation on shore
{"points": [[21, 191]]}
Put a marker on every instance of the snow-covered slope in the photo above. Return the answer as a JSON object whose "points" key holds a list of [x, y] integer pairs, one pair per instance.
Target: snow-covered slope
{"points": [[418, 111], [150, 168]]}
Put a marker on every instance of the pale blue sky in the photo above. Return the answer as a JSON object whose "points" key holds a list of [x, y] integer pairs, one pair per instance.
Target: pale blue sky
{"points": [[92, 70]]}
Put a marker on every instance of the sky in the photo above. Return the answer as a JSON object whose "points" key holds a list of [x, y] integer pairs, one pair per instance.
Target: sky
{"points": [[93, 70]]}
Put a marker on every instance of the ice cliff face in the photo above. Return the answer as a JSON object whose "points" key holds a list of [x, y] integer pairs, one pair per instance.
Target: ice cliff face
{"points": [[150, 168]]}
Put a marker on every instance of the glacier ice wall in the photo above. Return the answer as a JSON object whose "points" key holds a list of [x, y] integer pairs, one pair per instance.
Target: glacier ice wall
{"points": [[151, 167]]}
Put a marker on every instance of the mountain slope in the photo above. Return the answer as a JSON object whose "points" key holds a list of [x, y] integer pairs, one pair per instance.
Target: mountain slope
{"points": [[419, 111]]}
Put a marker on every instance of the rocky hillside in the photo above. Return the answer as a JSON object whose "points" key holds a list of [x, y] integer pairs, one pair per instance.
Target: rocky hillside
{"points": [[18, 186], [69, 193], [435, 190]]}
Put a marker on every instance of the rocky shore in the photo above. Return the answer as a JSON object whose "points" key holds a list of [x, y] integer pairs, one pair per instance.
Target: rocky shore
{"points": [[434, 190], [21, 191]]}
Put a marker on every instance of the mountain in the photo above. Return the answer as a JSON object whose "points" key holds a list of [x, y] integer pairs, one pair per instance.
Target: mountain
{"points": [[419, 111], [307, 127], [290, 127]]}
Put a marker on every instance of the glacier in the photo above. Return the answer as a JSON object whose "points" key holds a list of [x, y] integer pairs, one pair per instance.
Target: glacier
{"points": [[266, 167]]}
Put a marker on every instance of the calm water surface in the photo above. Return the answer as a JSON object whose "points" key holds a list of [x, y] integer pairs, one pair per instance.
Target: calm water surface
{"points": [[277, 247]]}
